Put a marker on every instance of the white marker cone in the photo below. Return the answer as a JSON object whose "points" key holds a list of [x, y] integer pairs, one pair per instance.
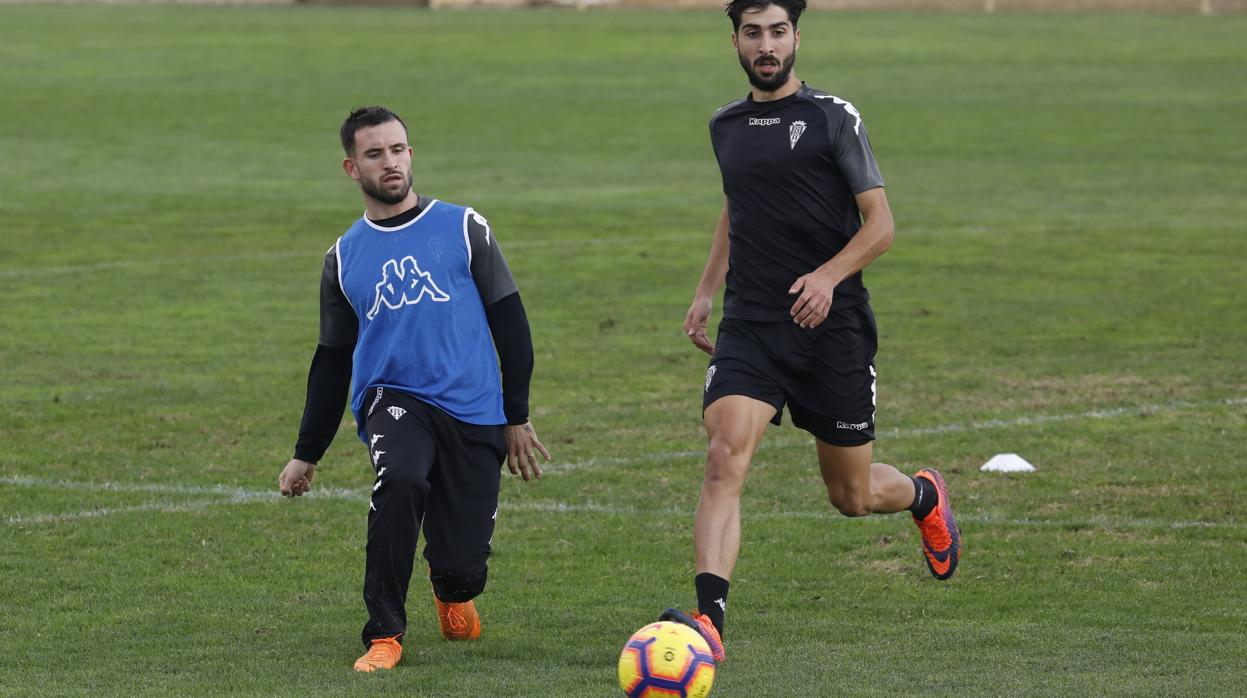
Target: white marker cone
{"points": [[1007, 463]]}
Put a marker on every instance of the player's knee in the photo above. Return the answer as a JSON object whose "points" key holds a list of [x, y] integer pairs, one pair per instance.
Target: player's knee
{"points": [[719, 453], [849, 503], [727, 453], [457, 586], [404, 481], [725, 467]]}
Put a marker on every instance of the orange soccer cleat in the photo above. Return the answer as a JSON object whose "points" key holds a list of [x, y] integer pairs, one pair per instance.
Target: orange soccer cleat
{"points": [[459, 621], [702, 624], [383, 654], [941, 539]]}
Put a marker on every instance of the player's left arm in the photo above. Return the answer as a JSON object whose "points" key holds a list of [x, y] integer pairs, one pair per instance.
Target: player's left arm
{"points": [[508, 324], [850, 148], [817, 289]]}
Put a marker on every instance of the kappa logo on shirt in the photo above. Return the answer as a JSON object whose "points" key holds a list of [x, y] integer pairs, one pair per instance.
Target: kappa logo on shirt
{"points": [[403, 283], [755, 121]]}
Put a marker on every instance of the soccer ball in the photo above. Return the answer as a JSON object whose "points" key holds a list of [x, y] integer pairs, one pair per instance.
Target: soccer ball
{"points": [[666, 659]]}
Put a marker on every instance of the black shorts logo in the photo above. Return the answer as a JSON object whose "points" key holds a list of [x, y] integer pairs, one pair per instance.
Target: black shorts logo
{"points": [[709, 376]]}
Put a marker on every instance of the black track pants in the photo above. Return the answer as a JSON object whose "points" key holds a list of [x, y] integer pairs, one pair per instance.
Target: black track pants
{"points": [[433, 470]]}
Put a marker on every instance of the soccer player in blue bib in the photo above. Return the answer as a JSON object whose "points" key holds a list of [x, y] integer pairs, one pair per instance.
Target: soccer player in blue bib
{"points": [[804, 213], [418, 312]]}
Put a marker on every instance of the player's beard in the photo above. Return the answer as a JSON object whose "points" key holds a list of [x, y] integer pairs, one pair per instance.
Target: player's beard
{"points": [[388, 197], [774, 82]]}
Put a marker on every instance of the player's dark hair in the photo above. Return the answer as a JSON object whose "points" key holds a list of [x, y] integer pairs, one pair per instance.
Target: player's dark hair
{"points": [[736, 8], [364, 117]]}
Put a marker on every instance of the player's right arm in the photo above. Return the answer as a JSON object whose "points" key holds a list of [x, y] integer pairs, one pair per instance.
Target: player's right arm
{"points": [[328, 382], [508, 325], [711, 281]]}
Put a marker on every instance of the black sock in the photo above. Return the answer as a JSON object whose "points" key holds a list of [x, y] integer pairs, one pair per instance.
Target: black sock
{"points": [[925, 497], [712, 598]]}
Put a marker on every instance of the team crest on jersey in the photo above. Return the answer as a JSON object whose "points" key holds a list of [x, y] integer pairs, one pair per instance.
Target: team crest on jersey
{"points": [[794, 133], [403, 283]]}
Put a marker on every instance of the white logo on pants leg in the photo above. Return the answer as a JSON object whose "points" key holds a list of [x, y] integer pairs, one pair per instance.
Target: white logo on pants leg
{"points": [[396, 412], [873, 393], [495, 519], [709, 375]]}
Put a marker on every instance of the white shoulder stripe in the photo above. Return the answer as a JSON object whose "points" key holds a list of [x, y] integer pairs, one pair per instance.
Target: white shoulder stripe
{"points": [[467, 213], [337, 253], [848, 106]]}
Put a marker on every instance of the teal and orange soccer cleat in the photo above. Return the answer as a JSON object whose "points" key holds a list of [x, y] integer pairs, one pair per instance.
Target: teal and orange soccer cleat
{"points": [[941, 539], [702, 624]]}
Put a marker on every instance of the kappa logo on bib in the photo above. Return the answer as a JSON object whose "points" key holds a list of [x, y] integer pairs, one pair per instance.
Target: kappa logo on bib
{"points": [[404, 283]]}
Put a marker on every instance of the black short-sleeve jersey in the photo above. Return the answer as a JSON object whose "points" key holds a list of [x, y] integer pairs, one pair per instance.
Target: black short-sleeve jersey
{"points": [[791, 169]]}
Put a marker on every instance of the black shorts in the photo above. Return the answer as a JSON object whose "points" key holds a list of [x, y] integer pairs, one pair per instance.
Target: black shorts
{"points": [[826, 374]]}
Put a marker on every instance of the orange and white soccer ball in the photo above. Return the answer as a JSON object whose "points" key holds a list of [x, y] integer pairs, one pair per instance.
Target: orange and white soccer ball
{"points": [[666, 659]]}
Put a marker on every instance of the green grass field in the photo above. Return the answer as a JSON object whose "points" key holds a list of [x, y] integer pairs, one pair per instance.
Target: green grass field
{"points": [[1066, 284]]}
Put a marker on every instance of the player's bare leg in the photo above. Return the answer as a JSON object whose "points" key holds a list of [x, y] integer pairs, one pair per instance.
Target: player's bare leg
{"points": [[734, 428], [857, 487]]}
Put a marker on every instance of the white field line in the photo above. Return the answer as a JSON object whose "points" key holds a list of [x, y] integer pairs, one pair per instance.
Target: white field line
{"points": [[161, 507], [906, 433], [238, 495], [1103, 522], [241, 494], [220, 494]]}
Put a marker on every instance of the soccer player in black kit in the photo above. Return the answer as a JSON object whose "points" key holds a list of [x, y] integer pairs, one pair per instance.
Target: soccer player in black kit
{"points": [[804, 213]]}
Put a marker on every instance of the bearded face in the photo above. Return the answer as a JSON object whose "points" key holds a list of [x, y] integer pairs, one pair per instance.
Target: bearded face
{"points": [[768, 73], [766, 44], [381, 163]]}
